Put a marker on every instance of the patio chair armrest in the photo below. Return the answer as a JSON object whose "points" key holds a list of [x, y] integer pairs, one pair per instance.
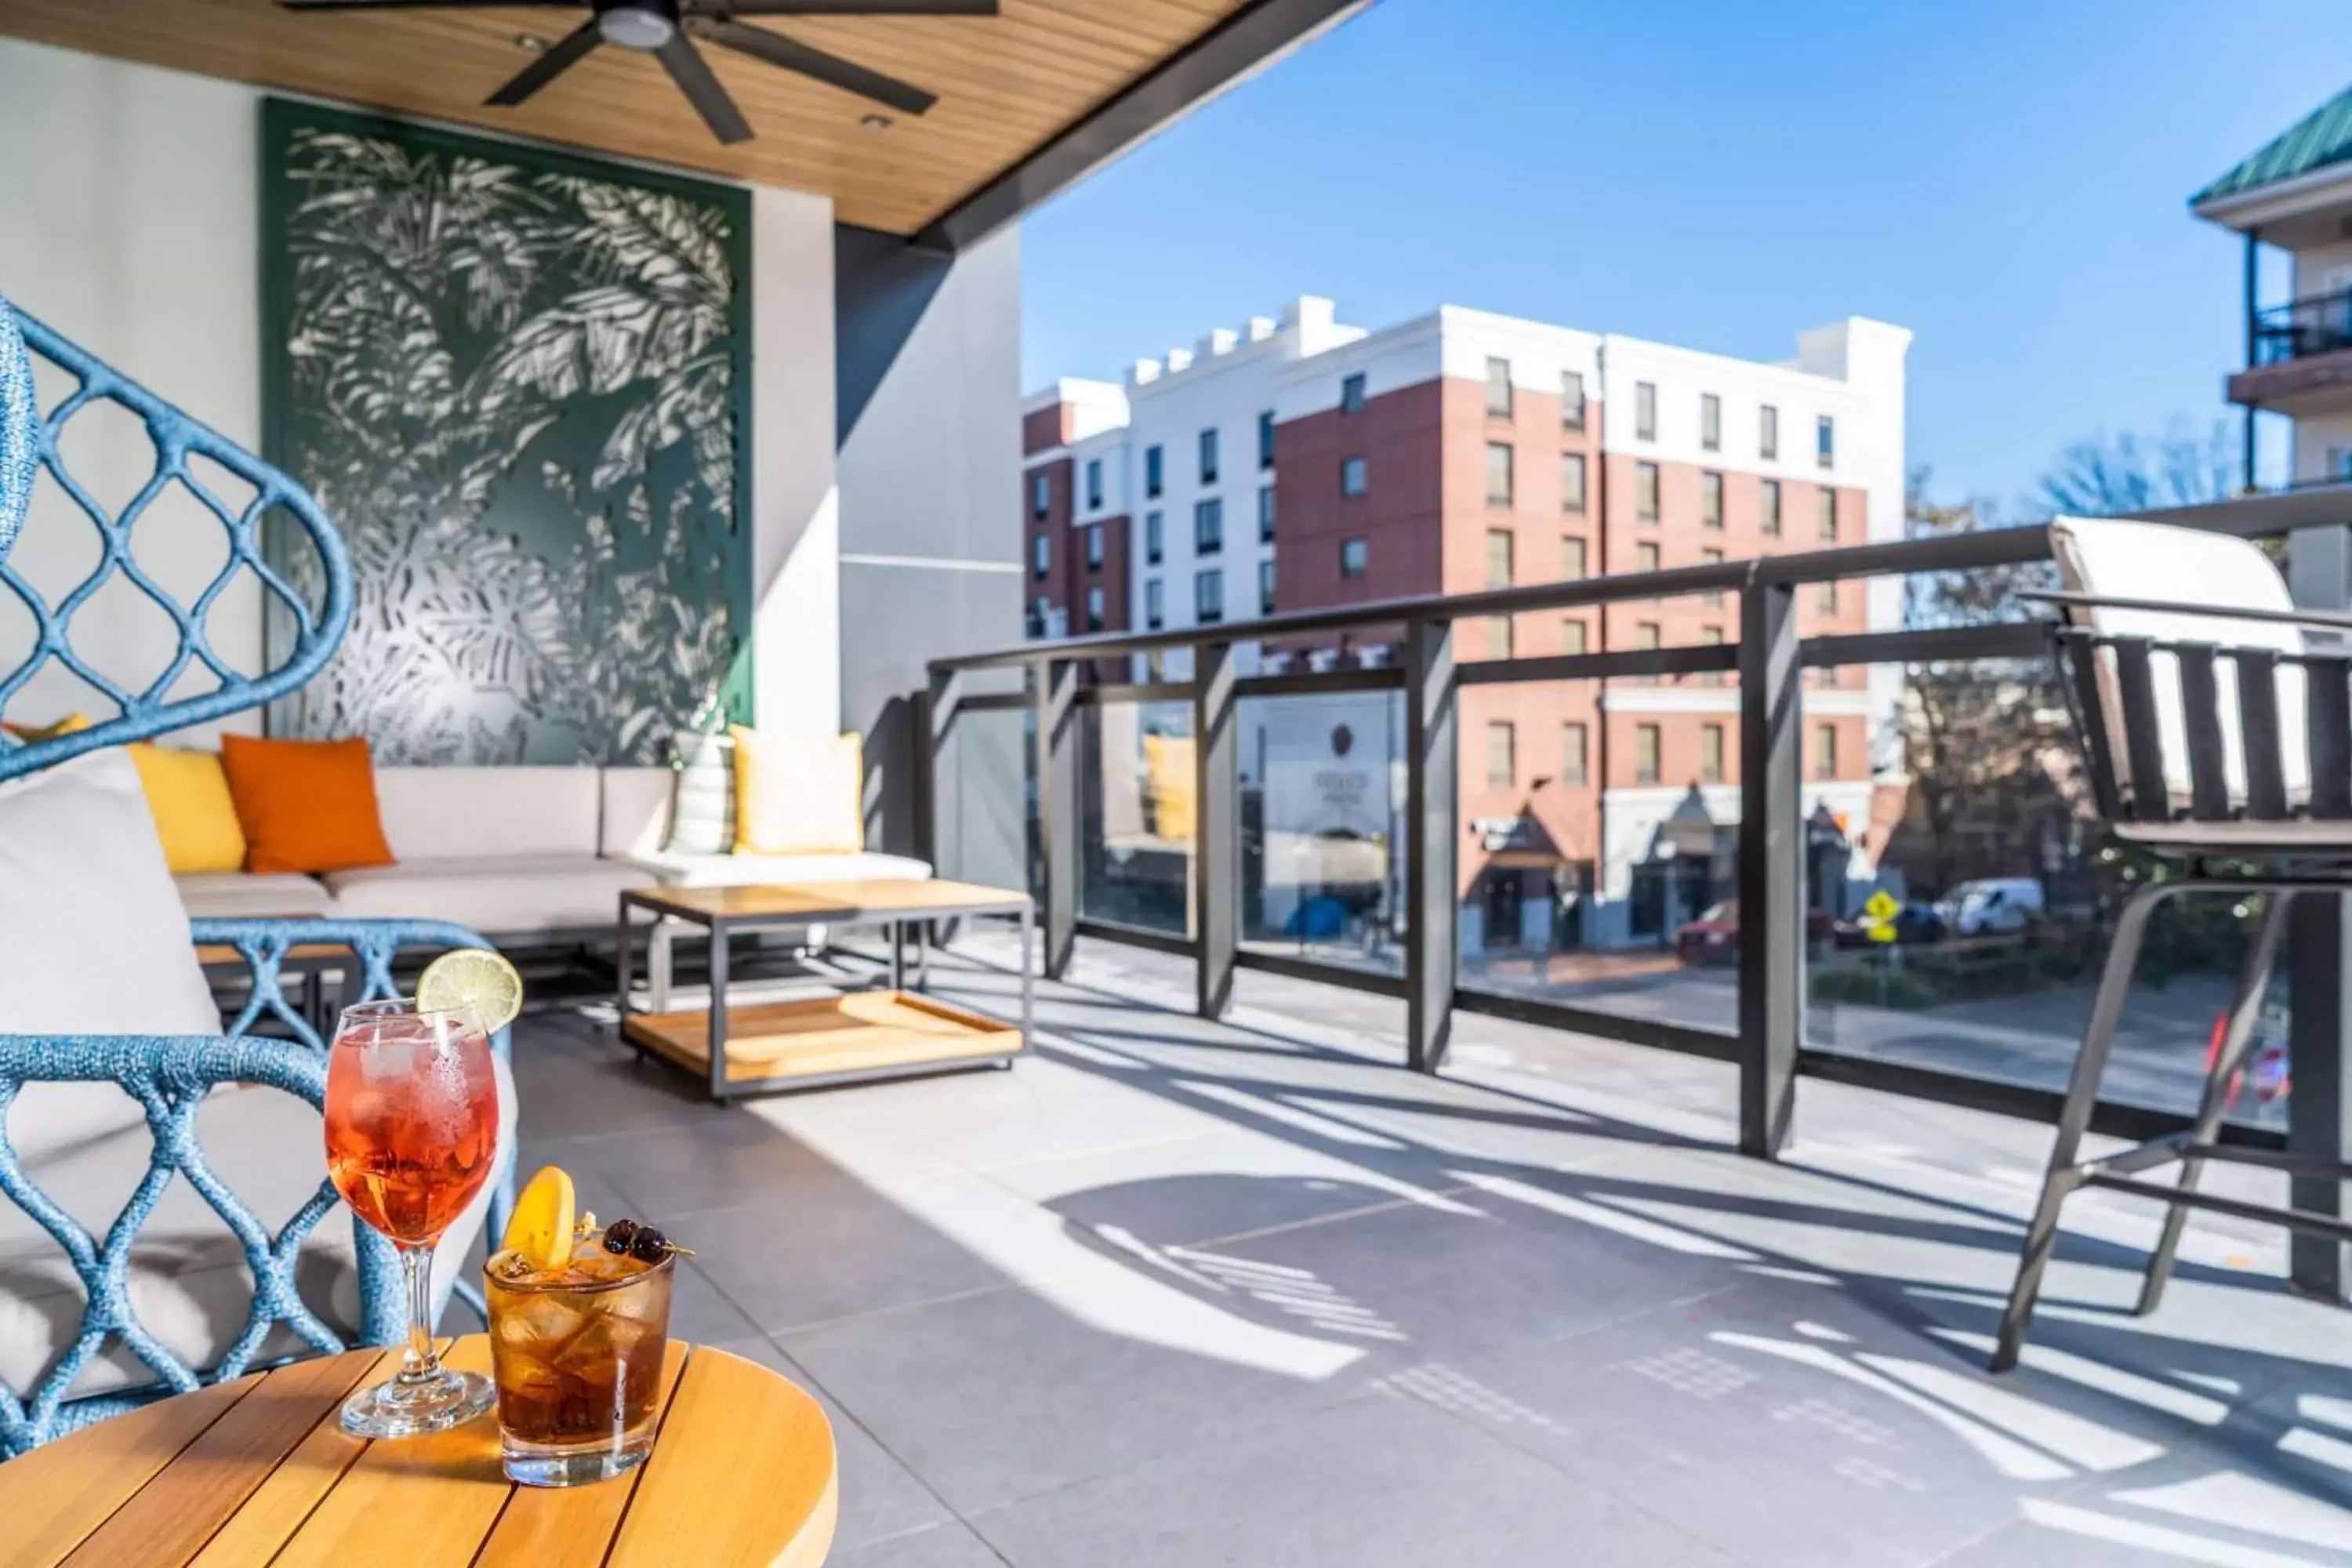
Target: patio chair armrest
{"points": [[264, 943], [170, 1076]]}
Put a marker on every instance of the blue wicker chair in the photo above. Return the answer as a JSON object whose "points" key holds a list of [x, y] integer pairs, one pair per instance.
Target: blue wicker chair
{"points": [[170, 1078]]}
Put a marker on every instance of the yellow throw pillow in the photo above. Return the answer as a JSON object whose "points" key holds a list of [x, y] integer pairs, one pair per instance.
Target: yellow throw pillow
{"points": [[794, 798], [70, 724], [188, 793]]}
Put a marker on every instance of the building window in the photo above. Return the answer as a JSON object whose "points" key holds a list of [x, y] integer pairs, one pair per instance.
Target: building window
{"points": [[1713, 637], [1155, 609], [1575, 755], [1499, 386], [1710, 753], [1498, 637], [1355, 559], [1571, 559], [1093, 547], [1208, 526], [1038, 615], [1768, 433], [1152, 544], [1571, 399], [1351, 393], [1572, 637], [1825, 441], [1645, 411], [1265, 587], [1828, 598], [1498, 473], [1041, 495], [1265, 439], [1826, 506], [1209, 455], [1094, 609], [1713, 597], [1266, 514], [1502, 763], [1770, 523], [1208, 596], [1499, 558], [1154, 472], [1825, 751], [1710, 501], [1351, 476], [1645, 634], [1094, 484], [1645, 491], [1646, 753], [1710, 422], [1041, 555], [1571, 482], [1645, 558]]}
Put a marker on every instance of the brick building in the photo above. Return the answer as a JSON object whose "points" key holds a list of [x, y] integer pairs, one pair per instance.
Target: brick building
{"points": [[1301, 463]]}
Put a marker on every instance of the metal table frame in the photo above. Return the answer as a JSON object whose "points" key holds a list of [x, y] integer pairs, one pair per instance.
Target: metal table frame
{"points": [[722, 928]]}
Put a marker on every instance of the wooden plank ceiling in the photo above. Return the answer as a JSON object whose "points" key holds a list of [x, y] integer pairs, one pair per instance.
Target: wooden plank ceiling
{"points": [[1006, 84]]}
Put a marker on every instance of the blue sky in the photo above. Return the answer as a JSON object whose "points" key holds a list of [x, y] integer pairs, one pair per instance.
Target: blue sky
{"points": [[2006, 178]]}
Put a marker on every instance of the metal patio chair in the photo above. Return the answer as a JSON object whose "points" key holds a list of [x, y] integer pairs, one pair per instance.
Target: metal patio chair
{"points": [[2214, 730], [170, 1077]]}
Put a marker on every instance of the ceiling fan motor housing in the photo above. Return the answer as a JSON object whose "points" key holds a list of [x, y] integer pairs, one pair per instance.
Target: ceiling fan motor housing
{"points": [[644, 26]]}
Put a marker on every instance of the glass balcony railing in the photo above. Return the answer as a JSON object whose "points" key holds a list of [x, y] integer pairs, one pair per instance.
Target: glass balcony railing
{"points": [[2300, 329]]}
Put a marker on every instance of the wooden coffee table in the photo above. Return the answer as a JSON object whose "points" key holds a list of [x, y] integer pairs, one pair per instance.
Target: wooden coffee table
{"points": [[845, 1038], [257, 1472]]}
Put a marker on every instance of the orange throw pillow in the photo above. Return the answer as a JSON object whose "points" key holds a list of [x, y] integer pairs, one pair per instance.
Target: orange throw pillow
{"points": [[305, 806]]}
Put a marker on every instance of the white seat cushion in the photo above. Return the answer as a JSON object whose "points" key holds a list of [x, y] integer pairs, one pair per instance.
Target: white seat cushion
{"points": [[469, 812], [750, 871], [498, 895], [223, 895]]}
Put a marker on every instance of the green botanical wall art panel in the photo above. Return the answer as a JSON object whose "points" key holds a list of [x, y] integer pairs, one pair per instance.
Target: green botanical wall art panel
{"points": [[519, 383]]}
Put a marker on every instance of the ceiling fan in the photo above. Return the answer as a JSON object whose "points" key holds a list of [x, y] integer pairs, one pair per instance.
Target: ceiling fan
{"points": [[666, 29]]}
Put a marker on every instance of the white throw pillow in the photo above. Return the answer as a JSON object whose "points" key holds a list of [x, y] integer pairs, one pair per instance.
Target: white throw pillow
{"points": [[93, 937]]}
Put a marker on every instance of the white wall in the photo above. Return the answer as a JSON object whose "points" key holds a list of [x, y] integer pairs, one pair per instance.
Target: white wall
{"points": [[131, 225]]}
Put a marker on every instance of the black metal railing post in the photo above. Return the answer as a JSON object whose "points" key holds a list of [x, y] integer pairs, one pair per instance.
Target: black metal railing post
{"points": [[2319, 1023], [1432, 790], [1771, 865], [1216, 824], [935, 716], [1054, 690]]}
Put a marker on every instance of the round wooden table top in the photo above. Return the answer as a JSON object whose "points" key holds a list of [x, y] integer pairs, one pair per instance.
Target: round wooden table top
{"points": [[257, 1471]]}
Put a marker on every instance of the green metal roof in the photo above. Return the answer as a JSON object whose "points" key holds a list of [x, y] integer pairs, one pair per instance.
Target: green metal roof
{"points": [[2320, 138]]}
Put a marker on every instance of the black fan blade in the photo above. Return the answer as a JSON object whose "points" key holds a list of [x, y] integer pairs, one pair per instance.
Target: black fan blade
{"points": [[418, 5], [561, 57], [692, 74], [794, 56], [723, 9]]}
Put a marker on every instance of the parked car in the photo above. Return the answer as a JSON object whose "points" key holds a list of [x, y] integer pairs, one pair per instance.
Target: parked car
{"points": [[1914, 923], [1993, 906], [1714, 937]]}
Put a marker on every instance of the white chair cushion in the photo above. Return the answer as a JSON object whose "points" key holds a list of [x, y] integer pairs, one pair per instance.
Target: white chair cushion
{"points": [[636, 810], [464, 812], [497, 895], [2124, 558], [93, 939], [753, 870], [224, 895]]}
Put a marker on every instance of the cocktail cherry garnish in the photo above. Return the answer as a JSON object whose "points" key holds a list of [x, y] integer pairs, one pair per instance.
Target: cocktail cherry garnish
{"points": [[645, 1243]]}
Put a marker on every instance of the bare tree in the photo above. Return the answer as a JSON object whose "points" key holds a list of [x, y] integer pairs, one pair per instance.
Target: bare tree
{"points": [[2124, 475]]}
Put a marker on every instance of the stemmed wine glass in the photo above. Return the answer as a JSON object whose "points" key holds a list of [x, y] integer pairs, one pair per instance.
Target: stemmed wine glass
{"points": [[412, 1134]]}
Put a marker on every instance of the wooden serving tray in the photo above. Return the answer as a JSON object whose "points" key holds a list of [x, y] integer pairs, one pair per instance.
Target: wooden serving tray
{"points": [[824, 1037]]}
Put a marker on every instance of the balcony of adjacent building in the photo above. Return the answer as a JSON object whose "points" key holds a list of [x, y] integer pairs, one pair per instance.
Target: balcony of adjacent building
{"points": [[2299, 356]]}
